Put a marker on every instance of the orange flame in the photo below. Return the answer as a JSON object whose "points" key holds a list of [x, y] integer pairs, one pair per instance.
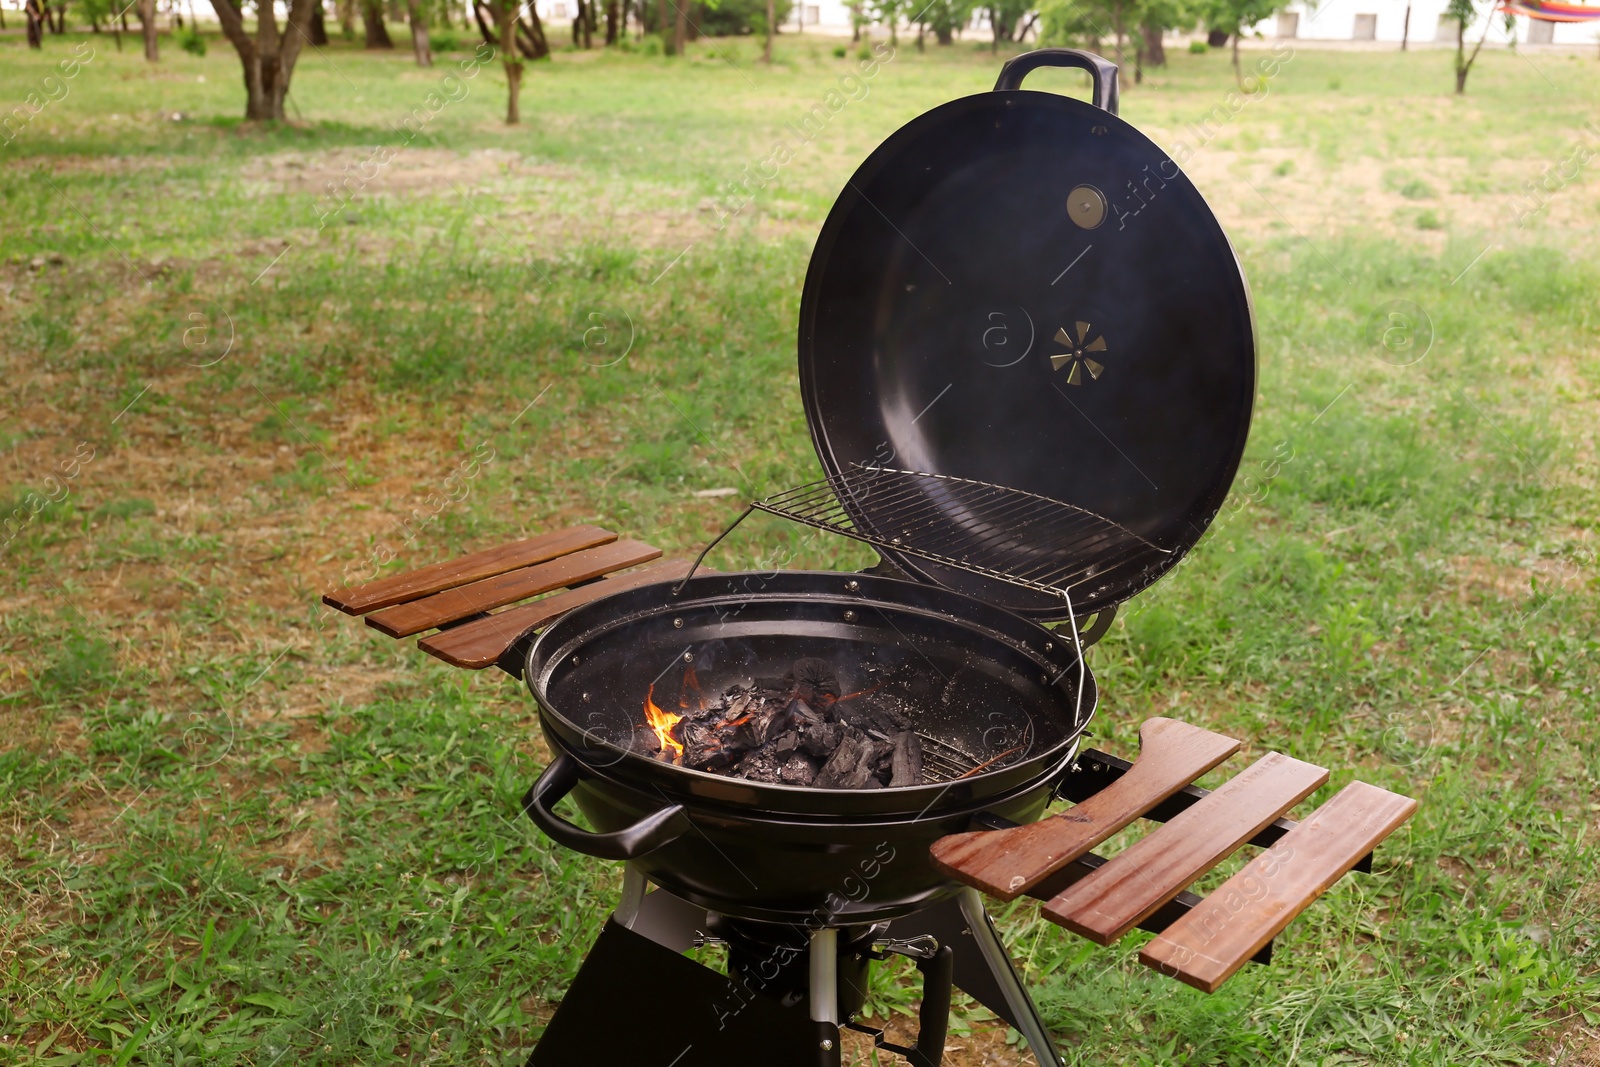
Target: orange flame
{"points": [[662, 723]]}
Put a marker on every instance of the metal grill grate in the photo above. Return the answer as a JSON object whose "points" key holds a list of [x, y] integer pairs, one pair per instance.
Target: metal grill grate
{"points": [[1001, 533]]}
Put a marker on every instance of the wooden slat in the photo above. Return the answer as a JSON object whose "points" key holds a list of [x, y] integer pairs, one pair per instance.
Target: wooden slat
{"points": [[1147, 874], [479, 644], [437, 577], [1006, 863], [403, 620], [1205, 947]]}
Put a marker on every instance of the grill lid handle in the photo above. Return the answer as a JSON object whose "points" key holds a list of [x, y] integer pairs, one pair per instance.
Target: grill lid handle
{"points": [[643, 837], [1102, 71]]}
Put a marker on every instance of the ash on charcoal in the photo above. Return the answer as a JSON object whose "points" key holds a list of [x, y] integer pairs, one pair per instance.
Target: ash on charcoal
{"points": [[802, 729]]}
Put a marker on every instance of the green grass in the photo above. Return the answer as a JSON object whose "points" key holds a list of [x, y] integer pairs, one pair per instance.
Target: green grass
{"points": [[234, 828]]}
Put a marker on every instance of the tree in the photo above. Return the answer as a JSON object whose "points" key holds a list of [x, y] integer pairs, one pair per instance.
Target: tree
{"points": [[269, 58], [1005, 16], [514, 39], [420, 46], [35, 17], [944, 17], [1233, 17], [372, 21], [888, 12], [1465, 13], [146, 10]]}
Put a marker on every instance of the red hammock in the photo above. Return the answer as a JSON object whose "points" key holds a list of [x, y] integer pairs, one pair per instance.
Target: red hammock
{"points": [[1552, 11]]}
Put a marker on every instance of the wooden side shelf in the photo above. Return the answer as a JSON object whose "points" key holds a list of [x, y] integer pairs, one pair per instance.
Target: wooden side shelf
{"points": [[457, 598], [1201, 940]]}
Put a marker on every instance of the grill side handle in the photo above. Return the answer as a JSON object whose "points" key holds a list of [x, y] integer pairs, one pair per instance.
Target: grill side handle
{"points": [[1102, 71], [643, 837]]}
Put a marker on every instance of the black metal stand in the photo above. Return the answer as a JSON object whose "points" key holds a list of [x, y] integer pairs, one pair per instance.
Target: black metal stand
{"points": [[639, 1000]]}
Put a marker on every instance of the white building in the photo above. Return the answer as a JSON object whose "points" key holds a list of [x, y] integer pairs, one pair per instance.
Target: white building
{"points": [[1385, 20]]}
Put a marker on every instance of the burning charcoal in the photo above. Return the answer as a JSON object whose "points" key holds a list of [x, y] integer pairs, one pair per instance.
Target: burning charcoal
{"points": [[813, 681], [883, 712], [851, 763], [906, 759], [787, 742], [822, 740], [797, 770], [702, 746], [801, 715], [754, 728]]}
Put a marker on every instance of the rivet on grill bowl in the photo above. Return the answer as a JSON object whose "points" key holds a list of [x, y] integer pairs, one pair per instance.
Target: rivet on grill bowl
{"points": [[688, 657], [849, 616], [588, 697], [827, 1044], [677, 624], [574, 661], [1044, 679], [852, 586]]}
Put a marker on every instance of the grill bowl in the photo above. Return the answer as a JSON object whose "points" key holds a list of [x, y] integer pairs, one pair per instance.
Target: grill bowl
{"points": [[774, 851]]}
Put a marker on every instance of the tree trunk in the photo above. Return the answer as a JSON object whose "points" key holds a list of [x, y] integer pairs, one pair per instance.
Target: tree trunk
{"points": [[419, 33], [531, 39], [680, 26], [1238, 77], [1463, 61], [1155, 50], [268, 59], [146, 10], [116, 34], [372, 21], [319, 24], [60, 25], [614, 27], [347, 18], [35, 16], [1405, 29], [772, 19], [509, 17]]}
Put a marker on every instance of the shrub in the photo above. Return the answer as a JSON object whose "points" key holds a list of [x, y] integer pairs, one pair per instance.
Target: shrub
{"points": [[840, 51], [1198, 48], [190, 41]]}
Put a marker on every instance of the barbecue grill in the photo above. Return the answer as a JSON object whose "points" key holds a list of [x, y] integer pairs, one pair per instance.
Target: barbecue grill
{"points": [[1027, 362]]}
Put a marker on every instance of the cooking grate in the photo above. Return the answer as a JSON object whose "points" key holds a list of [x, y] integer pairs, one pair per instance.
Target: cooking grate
{"points": [[1006, 534], [942, 761]]}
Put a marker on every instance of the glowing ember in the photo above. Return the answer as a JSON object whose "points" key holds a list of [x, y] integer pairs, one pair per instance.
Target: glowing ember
{"points": [[662, 723]]}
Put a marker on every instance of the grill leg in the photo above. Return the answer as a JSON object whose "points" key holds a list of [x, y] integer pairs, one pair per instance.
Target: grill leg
{"points": [[1023, 1015], [983, 969]]}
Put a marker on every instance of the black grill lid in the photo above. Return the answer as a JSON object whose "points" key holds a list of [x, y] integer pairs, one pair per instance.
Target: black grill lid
{"points": [[1027, 353]]}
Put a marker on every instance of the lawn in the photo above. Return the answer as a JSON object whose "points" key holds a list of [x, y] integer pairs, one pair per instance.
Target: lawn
{"points": [[237, 828]]}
